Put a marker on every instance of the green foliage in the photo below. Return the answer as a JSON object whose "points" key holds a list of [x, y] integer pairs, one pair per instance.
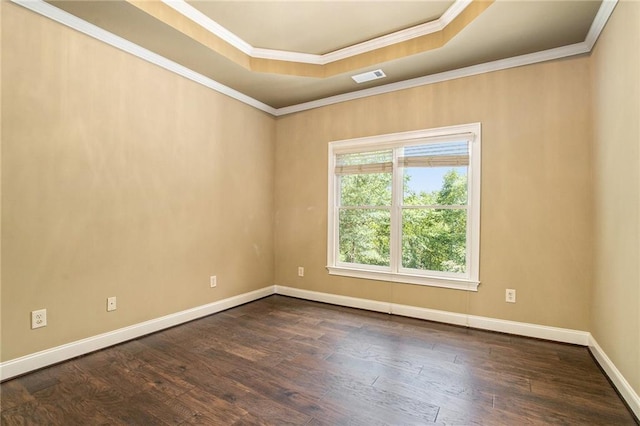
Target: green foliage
{"points": [[365, 233], [373, 189], [364, 236], [432, 238], [454, 189]]}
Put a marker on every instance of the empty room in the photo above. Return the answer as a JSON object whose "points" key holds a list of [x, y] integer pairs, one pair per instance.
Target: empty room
{"points": [[320, 212]]}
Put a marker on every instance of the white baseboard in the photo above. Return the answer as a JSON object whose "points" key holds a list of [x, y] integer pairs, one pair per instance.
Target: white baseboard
{"points": [[557, 334], [430, 314], [624, 388], [334, 299], [31, 362]]}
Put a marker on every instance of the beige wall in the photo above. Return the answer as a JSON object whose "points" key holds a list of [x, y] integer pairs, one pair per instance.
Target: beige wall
{"points": [[1, 102], [615, 319], [121, 179], [536, 216]]}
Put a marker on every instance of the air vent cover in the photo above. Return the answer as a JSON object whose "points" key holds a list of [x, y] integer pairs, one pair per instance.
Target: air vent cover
{"points": [[368, 76]]}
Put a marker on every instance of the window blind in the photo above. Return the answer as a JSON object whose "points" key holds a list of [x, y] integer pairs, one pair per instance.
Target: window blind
{"points": [[448, 154], [364, 162]]}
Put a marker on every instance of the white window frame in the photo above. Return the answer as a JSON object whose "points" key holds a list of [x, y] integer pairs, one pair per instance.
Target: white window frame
{"points": [[394, 273]]}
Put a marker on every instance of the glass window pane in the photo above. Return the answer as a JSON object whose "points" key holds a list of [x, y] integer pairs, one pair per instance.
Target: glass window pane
{"points": [[434, 239], [364, 236], [372, 189], [425, 186]]}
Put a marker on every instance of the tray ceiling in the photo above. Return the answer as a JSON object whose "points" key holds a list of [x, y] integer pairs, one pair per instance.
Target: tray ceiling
{"points": [[286, 53]]}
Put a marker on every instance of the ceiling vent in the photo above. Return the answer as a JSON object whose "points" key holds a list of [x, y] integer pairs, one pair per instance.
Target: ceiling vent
{"points": [[368, 76]]}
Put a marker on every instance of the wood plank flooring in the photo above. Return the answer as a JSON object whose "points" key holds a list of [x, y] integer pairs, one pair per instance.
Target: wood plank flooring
{"points": [[279, 361]]}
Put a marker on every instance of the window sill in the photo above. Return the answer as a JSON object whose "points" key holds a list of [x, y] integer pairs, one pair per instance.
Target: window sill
{"points": [[453, 283]]}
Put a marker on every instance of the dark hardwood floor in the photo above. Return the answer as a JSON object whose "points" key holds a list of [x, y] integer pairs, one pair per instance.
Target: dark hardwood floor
{"points": [[283, 361]]}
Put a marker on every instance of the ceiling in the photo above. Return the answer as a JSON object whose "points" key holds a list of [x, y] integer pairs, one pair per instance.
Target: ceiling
{"points": [[317, 27], [287, 53]]}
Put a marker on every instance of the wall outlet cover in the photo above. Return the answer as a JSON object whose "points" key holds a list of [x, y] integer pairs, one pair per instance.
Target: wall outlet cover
{"points": [[111, 304], [38, 318]]}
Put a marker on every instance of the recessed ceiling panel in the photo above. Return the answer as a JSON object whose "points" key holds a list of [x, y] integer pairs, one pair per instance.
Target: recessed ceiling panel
{"points": [[317, 27]]}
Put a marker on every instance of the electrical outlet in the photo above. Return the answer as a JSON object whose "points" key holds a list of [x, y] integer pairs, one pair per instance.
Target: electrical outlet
{"points": [[111, 304], [510, 296], [213, 281], [38, 318], [300, 271]]}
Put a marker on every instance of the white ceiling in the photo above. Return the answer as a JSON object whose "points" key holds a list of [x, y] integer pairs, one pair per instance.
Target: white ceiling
{"points": [[317, 27]]}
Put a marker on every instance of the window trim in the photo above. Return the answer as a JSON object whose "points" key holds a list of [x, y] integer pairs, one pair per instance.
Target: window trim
{"points": [[395, 273]]}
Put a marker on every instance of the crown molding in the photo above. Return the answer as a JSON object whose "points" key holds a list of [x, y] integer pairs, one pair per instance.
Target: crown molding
{"points": [[399, 36], [517, 61], [283, 55], [218, 30], [601, 18], [58, 15], [452, 13], [45, 9], [605, 11], [209, 24]]}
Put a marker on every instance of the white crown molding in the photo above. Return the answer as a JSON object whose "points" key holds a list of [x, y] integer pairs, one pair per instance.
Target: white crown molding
{"points": [[65, 18], [627, 392], [382, 41], [604, 12], [399, 36], [45, 9], [283, 55], [601, 18], [456, 9], [218, 30], [209, 24], [517, 61]]}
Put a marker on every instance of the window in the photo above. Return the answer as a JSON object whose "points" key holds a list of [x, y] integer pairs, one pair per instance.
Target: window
{"points": [[405, 207]]}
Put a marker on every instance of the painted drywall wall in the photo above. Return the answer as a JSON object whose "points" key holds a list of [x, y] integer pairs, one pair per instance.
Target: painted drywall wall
{"points": [[1, 6], [536, 219], [615, 318], [121, 179]]}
